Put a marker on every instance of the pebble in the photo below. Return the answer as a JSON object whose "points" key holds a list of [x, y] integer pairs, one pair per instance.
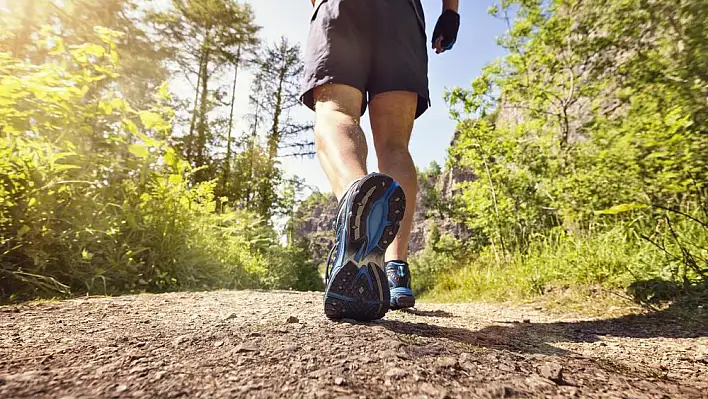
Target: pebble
{"points": [[293, 319], [121, 388], [446, 363], [339, 381], [508, 367], [395, 373], [289, 348], [246, 347], [552, 371]]}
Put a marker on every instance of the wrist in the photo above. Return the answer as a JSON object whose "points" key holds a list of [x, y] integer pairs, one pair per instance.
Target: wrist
{"points": [[452, 5]]}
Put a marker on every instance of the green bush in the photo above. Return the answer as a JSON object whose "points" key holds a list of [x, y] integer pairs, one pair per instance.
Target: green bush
{"points": [[93, 200]]}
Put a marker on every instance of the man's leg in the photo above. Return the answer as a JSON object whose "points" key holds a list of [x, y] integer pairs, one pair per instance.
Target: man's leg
{"points": [[369, 214], [339, 140], [392, 115]]}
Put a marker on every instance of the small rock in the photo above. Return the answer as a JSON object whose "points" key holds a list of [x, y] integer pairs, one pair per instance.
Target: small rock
{"points": [[289, 348], [392, 344], [218, 344], [539, 384], [319, 373], [395, 373], [121, 388], [527, 320], [231, 316], [387, 354], [246, 347], [446, 363], [158, 375], [552, 371], [339, 381], [508, 367], [293, 319], [180, 340], [429, 389], [467, 366]]}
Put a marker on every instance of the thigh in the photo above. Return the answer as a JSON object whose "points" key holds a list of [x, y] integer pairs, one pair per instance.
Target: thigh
{"points": [[334, 98], [338, 48], [399, 58], [392, 114]]}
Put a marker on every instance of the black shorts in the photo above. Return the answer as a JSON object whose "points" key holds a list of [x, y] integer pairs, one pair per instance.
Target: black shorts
{"points": [[376, 46]]}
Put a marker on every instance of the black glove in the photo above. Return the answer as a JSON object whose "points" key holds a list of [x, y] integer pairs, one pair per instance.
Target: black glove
{"points": [[447, 26]]}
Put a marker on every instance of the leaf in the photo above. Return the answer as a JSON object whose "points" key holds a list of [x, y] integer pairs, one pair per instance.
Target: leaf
{"points": [[23, 230], [60, 167], [151, 119], [86, 255], [94, 49], [170, 158], [139, 150], [130, 126], [175, 179], [621, 208]]}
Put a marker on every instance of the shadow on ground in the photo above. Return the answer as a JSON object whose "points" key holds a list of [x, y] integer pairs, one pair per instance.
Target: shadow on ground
{"points": [[687, 317], [428, 313]]}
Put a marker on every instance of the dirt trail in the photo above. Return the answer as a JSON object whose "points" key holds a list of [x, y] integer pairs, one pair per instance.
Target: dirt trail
{"points": [[279, 344]]}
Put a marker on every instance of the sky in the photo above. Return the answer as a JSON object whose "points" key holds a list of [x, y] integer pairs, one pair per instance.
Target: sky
{"points": [[433, 131]]}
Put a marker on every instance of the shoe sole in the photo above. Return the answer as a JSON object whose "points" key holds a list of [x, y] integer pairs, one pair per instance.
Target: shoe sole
{"points": [[402, 298], [359, 290]]}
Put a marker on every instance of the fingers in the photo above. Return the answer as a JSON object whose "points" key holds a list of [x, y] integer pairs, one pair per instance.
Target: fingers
{"points": [[437, 45]]}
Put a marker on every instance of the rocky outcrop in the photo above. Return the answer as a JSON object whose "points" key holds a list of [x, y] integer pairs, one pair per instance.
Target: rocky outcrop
{"points": [[316, 216]]}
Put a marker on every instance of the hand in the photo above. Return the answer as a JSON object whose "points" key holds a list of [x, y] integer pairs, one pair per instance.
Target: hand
{"points": [[445, 32]]}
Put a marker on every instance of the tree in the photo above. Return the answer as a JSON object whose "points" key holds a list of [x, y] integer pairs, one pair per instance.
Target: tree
{"points": [[208, 37], [276, 92], [141, 69]]}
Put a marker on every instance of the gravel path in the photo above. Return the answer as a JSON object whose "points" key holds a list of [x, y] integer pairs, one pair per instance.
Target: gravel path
{"points": [[279, 344]]}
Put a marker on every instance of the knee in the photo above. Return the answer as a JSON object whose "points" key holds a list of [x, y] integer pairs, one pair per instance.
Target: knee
{"points": [[392, 147]]}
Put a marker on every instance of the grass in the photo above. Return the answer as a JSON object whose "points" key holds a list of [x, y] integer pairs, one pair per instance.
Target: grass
{"points": [[590, 274]]}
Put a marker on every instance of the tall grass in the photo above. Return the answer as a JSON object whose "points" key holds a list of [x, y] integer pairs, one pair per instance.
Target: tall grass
{"points": [[617, 258]]}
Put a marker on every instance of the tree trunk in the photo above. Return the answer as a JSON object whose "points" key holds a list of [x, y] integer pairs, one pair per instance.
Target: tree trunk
{"points": [[227, 163], [274, 139], [189, 150], [203, 122]]}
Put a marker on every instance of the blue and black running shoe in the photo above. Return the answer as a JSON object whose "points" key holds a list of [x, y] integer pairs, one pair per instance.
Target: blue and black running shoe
{"points": [[367, 222], [399, 279]]}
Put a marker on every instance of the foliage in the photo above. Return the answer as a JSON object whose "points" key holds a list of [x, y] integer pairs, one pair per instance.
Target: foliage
{"points": [[140, 72], [582, 137], [93, 200], [206, 38]]}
